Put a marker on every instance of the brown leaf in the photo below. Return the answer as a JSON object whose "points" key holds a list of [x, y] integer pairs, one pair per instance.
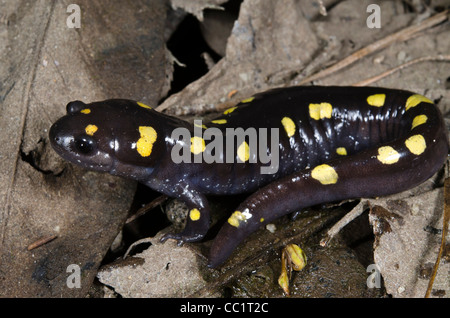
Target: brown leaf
{"points": [[117, 51]]}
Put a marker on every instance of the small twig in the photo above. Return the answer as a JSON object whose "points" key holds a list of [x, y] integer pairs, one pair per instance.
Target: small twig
{"points": [[368, 81], [159, 200], [41, 241], [349, 217], [402, 35], [444, 235]]}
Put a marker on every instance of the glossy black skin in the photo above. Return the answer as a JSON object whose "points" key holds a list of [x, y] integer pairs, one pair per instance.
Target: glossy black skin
{"points": [[355, 125]]}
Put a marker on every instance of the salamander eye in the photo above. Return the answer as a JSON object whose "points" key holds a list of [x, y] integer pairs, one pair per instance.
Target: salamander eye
{"points": [[84, 144]]}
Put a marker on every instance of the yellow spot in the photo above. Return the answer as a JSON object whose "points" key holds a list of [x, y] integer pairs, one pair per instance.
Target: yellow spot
{"points": [[194, 214], [143, 105], [325, 174], [416, 144], [145, 144], [243, 152], [376, 100], [415, 100], [387, 155], [236, 218], [85, 111], [261, 220], [320, 111], [419, 120], [247, 100], [91, 129], [341, 151], [229, 110], [289, 126], [219, 121], [197, 145], [200, 126]]}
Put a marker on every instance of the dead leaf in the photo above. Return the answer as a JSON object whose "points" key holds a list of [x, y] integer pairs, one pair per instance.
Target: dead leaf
{"points": [[407, 242], [45, 65], [263, 44], [151, 273]]}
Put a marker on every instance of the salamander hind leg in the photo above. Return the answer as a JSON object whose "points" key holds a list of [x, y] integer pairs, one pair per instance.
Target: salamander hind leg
{"points": [[197, 223]]}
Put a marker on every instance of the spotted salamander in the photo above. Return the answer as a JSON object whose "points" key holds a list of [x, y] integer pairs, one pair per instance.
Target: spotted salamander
{"points": [[332, 143]]}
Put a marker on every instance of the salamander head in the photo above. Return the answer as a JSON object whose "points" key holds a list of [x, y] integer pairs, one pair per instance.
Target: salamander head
{"points": [[116, 136]]}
